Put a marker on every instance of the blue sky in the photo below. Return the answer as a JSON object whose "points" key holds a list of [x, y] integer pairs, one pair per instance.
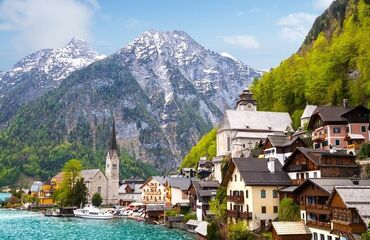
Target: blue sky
{"points": [[260, 33]]}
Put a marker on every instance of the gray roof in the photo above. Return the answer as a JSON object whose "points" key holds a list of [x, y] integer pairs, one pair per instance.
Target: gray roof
{"points": [[254, 171], [281, 140], [88, 174], [154, 207], [160, 179], [202, 228], [288, 189], [328, 184], [136, 187], [35, 187], [308, 111], [291, 228], [182, 183], [357, 197], [205, 188], [258, 120]]}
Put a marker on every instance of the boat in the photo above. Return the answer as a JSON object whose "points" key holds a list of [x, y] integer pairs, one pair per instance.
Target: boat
{"points": [[92, 212]]}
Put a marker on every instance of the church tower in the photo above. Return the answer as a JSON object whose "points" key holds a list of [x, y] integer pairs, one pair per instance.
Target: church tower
{"points": [[246, 101], [112, 169]]}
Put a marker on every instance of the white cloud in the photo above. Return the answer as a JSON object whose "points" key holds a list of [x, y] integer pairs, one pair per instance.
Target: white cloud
{"points": [[242, 41], [40, 24], [322, 4], [133, 23], [295, 26]]}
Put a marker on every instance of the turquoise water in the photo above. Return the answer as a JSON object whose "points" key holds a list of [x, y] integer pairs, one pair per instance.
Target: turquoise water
{"points": [[34, 226], [4, 196]]}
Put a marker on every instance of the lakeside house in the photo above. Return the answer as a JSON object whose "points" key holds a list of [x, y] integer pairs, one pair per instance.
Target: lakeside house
{"points": [[349, 211], [130, 191], [153, 191], [341, 127], [200, 193], [307, 163], [312, 197], [177, 191], [290, 231], [252, 190], [244, 128]]}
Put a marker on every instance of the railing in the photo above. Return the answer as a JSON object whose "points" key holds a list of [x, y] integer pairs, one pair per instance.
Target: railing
{"points": [[354, 146], [318, 136], [302, 167], [246, 215], [297, 181], [235, 199], [315, 207], [237, 214], [152, 193], [323, 225]]}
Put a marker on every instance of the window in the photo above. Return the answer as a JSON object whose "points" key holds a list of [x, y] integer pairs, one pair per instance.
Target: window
{"points": [[241, 178], [303, 216], [263, 209], [246, 194], [307, 175], [297, 176], [315, 237], [235, 177], [337, 142], [99, 189], [228, 143], [336, 130], [263, 193], [114, 166], [322, 237], [363, 128], [330, 238], [231, 193], [315, 174], [276, 209], [274, 193], [347, 129]]}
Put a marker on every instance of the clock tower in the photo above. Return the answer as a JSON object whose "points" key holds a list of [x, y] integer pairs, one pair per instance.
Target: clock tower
{"points": [[246, 101], [112, 169]]}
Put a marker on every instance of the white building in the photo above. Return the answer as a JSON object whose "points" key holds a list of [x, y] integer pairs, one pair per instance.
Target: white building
{"points": [[252, 190], [177, 190], [154, 190], [95, 181], [244, 128]]}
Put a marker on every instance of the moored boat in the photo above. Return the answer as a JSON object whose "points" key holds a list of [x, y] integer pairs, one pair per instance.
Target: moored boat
{"points": [[92, 212]]}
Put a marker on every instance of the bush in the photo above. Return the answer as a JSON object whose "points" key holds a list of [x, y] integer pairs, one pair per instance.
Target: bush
{"points": [[171, 213], [188, 216], [96, 199], [213, 231], [288, 210], [239, 231]]}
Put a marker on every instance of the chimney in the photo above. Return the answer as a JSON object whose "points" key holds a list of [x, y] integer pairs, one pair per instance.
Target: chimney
{"points": [[345, 103], [271, 164], [355, 180]]}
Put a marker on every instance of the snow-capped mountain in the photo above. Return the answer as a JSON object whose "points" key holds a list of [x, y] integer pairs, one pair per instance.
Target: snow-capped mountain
{"points": [[41, 71], [218, 77], [164, 90]]}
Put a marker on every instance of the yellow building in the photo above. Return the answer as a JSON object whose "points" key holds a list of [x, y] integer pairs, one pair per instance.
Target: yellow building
{"points": [[252, 190], [48, 188]]}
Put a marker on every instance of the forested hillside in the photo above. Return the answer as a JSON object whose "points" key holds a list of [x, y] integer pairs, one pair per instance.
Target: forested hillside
{"points": [[206, 147], [332, 64]]}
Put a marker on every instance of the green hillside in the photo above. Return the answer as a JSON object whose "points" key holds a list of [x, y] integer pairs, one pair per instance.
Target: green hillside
{"points": [[206, 147], [332, 64]]}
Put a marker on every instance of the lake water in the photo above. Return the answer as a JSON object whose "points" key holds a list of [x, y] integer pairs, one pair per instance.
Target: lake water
{"points": [[4, 196], [34, 226]]}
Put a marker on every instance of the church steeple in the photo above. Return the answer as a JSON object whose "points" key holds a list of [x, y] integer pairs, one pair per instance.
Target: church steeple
{"points": [[113, 140], [246, 101]]}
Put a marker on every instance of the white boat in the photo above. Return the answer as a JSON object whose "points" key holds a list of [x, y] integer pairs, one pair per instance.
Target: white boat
{"points": [[92, 212]]}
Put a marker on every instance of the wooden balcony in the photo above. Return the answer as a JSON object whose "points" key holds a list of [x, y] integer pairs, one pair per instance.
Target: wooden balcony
{"points": [[318, 137], [302, 167], [315, 207], [317, 224], [297, 181], [246, 215], [241, 215], [235, 199], [355, 146], [343, 226], [152, 193]]}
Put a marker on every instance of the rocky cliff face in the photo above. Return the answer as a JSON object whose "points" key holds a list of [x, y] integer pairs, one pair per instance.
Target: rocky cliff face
{"points": [[39, 72]]}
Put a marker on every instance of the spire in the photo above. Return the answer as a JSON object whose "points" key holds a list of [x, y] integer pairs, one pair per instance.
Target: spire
{"points": [[113, 140]]}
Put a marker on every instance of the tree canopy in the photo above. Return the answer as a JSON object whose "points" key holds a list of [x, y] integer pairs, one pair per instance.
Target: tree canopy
{"points": [[288, 210]]}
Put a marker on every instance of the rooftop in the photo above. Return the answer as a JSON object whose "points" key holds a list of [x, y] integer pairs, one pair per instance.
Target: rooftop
{"points": [[291, 228], [308, 111]]}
